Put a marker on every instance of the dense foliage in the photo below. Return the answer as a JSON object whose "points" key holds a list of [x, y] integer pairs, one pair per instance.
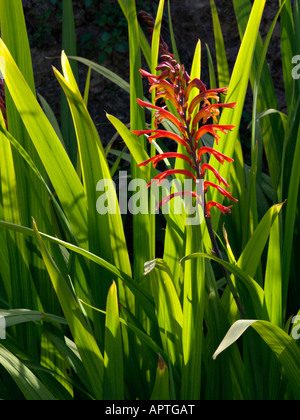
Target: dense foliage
{"points": [[84, 318]]}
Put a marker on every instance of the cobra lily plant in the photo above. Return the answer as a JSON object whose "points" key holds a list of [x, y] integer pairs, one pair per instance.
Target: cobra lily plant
{"points": [[175, 85]]}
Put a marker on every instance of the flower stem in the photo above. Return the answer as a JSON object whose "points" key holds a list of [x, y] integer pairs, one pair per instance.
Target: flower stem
{"points": [[197, 167], [225, 272]]}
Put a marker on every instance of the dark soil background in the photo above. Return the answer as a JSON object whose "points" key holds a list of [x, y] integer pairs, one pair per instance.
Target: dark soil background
{"points": [[102, 37]]}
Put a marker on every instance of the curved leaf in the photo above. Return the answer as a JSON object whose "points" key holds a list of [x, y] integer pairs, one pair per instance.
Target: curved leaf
{"points": [[31, 387], [282, 345]]}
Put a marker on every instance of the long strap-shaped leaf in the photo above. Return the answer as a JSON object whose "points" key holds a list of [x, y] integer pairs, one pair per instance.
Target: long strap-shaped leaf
{"points": [[141, 294], [280, 343], [31, 387], [55, 160], [237, 92], [83, 337], [105, 231]]}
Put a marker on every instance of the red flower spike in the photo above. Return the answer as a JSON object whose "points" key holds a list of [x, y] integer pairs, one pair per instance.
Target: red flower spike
{"points": [[206, 166], [175, 85], [220, 189], [211, 204], [156, 159]]}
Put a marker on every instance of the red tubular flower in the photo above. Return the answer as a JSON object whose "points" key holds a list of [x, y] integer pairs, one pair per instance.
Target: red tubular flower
{"points": [[218, 155], [175, 85], [205, 166], [156, 159], [161, 133], [178, 194], [161, 177], [162, 114], [220, 189], [212, 128], [211, 204]]}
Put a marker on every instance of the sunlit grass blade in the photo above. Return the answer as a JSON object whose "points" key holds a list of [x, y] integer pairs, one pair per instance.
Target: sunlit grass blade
{"points": [[51, 117], [110, 75], [58, 166], [25, 194], [161, 390], [83, 336], [227, 380], [279, 342], [290, 218], [222, 64], [251, 294], [31, 387], [173, 40], [272, 130], [193, 313], [18, 256], [143, 243], [273, 277], [288, 50], [141, 294], [94, 168], [237, 91], [251, 255], [70, 47], [113, 353], [168, 309]]}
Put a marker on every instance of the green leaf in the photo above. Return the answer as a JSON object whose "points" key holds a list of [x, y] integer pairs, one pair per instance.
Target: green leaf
{"points": [[142, 295], [113, 350], [70, 47], [252, 293], [173, 41], [20, 316], [156, 36], [83, 337], [193, 313], [55, 160], [272, 130], [273, 277], [251, 255], [161, 390], [31, 387], [290, 218], [113, 77], [283, 346], [168, 308], [222, 64], [237, 93]]}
